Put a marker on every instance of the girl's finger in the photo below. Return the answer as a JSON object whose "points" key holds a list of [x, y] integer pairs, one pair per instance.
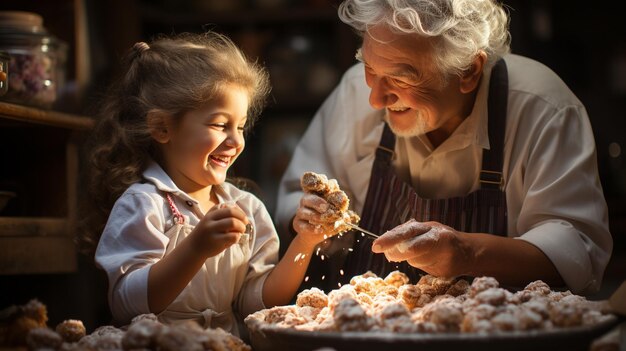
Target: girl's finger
{"points": [[314, 202]]}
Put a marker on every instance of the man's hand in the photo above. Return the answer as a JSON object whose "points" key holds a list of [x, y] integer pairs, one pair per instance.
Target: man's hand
{"points": [[430, 246]]}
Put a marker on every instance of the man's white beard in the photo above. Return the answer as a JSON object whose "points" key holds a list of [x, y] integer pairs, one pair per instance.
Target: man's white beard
{"points": [[418, 128]]}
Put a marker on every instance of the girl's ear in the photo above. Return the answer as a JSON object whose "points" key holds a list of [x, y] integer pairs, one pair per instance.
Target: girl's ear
{"points": [[471, 77], [159, 129]]}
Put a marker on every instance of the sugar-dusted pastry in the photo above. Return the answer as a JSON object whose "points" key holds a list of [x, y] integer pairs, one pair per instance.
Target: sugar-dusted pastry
{"points": [[459, 288], [434, 286], [71, 330], [17, 321], [224, 340], [25, 326], [395, 317], [141, 334], [411, 295], [396, 278], [313, 297], [173, 339], [43, 338], [480, 284], [349, 315], [338, 213], [105, 337]]}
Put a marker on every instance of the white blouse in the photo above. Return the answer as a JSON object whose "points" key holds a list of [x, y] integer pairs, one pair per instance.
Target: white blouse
{"points": [[135, 238], [554, 195]]}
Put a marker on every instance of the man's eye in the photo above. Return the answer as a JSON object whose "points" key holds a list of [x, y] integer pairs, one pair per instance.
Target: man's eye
{"points": [[401, 83]]}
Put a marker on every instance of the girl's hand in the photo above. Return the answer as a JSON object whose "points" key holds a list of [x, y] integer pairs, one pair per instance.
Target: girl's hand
{"points": [[308, 222], [220, 228]]}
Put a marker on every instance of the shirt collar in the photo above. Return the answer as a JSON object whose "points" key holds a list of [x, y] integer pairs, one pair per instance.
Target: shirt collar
{"points": [[162, 181], [481, 112], [473, 130]]}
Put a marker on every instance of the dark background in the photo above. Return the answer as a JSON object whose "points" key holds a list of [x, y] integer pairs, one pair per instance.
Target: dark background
{"points": [[306, 49]]}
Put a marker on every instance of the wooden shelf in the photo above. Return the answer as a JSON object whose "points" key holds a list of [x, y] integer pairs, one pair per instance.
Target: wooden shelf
{"points": [[46, 117], [36, 245], [32, 226], [37, 235]]}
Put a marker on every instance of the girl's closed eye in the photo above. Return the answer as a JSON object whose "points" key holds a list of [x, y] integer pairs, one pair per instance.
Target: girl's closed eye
{"points": [[219, 126], [224, 126]]}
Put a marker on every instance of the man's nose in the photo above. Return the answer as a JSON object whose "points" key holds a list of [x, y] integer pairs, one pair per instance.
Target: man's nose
{"points": [[380, 95]]}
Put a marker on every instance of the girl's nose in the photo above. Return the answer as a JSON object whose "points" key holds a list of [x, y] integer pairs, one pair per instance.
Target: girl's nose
{"points": [[235, 139], [380, 94]]}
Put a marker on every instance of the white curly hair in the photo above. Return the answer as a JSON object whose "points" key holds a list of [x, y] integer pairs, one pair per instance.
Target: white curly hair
{"points": [[461, 29]]}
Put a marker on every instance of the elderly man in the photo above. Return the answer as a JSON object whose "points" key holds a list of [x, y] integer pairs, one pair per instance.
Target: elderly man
{"points": [[472, 160]]}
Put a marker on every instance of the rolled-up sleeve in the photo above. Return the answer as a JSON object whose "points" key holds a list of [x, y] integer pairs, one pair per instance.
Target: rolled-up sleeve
{"points": [[563, 212], [132, 241], [571, 253]]}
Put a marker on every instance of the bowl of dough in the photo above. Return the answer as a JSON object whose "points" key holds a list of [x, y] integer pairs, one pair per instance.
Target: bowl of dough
{"points": [[379, 313]]}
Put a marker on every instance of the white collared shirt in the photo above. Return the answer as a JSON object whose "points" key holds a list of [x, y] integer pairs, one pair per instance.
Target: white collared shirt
{"points": [[134, 239], [553, 191]]}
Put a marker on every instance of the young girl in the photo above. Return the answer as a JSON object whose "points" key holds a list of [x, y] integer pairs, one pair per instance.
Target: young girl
{"points": [[179, 241]]}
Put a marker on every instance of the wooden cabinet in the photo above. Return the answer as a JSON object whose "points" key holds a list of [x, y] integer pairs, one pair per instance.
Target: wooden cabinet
{"points": [[40, 163]]}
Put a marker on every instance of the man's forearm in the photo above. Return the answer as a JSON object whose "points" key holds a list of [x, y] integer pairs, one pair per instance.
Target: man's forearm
{"points": [[512, 262]]}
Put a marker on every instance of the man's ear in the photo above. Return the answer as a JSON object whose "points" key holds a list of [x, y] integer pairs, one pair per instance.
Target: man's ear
{"points": [[471, 77], [159, 126]]}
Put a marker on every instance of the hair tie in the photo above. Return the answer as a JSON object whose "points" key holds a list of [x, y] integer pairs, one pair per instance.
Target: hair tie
{"points": [[141, 46]]}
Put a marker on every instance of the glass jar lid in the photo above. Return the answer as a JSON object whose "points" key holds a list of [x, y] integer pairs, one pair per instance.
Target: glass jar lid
{"points": [[21, 28], [21, 21]]}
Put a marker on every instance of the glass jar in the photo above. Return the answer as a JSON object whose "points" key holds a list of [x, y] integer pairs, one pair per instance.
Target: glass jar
{"points": [[37, 59], [4, 72]]}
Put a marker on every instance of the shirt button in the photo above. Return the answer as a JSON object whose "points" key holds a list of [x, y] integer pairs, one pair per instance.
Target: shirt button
{"points": [[189, 203]]}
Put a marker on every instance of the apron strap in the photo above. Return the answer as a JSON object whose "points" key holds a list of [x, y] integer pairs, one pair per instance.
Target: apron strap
{"points": [[385, 151], [491, 172]]}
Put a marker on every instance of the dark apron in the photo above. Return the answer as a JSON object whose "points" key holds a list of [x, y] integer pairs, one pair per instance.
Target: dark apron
{"points": [[391, 202]]}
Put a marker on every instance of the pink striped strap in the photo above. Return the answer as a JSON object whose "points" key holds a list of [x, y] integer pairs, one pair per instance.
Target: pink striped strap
{"points": [[178, 217]]}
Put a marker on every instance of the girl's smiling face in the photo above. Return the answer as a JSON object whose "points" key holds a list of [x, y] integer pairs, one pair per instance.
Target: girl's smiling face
{"points": [[204, 143]]}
